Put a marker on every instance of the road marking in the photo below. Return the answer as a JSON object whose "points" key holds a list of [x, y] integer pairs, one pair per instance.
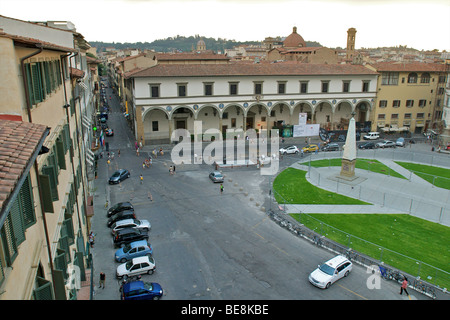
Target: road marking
{"points": [[353, 292]]}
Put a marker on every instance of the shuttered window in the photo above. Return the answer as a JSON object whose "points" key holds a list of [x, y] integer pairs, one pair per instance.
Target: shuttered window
{"points": [[43, 78], [50, 172], [9, 241], [43, 289], [46, 193]]}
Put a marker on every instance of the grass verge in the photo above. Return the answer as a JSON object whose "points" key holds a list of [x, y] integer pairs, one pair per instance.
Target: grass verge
{"points": [[292, 187], [371, 165], [438, 176], [386, 234]]}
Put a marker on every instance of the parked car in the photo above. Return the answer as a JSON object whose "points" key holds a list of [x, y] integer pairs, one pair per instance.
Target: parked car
{"points": [[331, 271], [310, 148], [122, 215], [385, 144], [331, 147], [119, 207], [133, 250], [130, 223], [371, 136], [367, 145], [400, 142], [128, 235], [139, 290], [216, 176], [119, 176], [136, 266], [289, 150]]}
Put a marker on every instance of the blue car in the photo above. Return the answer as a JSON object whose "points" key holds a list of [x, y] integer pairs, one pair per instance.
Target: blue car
{"points": [[139, 290], [133, 250]]}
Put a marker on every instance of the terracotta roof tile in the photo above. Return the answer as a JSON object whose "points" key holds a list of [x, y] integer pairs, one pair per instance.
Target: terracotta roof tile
{"points": [[410, 67], [246, 69], [18, 142]]}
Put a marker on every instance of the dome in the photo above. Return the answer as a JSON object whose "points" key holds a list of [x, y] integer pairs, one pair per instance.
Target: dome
{"points": [[294, 40]]}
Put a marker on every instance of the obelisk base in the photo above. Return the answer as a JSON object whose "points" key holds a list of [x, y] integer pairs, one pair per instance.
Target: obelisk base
{"points": [[348, 170]]}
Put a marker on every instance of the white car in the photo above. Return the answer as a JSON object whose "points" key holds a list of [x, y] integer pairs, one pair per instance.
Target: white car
{"points": [[145, 264], [331, 271], [143, 225], [290, 149]]}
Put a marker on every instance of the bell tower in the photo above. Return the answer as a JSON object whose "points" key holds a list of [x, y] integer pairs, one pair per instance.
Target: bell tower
{"points": [[351, 35]]}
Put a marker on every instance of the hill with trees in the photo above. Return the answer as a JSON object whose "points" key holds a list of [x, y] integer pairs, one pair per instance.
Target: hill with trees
{"points": [[180, 44]]}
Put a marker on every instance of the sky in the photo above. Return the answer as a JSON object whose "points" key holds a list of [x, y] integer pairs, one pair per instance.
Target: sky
{"points": [[419, 24]]}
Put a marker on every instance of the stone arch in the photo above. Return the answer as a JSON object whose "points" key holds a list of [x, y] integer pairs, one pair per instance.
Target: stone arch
{"points": [[156, 125], [302, 107], [323, 114], [232, 116], [148, 109], [197, 109], [362, 109], [257, 116], [342, 114]]}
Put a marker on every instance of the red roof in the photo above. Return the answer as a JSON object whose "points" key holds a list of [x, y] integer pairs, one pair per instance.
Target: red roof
{"points": [[246, 69], [18, 143], [410, 67]]}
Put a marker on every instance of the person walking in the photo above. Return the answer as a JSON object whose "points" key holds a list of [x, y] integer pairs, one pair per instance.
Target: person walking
{"points": [[173, 169], [102, 280], [404, 286], [91, 239], [221, 188], [141, 178]]}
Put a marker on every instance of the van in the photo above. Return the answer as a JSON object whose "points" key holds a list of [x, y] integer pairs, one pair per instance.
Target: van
{"points": [[372, 136]]}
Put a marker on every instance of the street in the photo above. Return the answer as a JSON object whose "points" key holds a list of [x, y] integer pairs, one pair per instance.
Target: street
{"points": [[208, 245]]}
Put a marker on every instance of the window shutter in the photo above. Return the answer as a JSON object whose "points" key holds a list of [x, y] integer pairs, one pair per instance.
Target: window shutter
{"points": [[17, 222], [43, 289], [27, 203], [60, 154], [60, 289], [9, 241], [30, 84], [37, 82], [46, 190], [49, 171]]}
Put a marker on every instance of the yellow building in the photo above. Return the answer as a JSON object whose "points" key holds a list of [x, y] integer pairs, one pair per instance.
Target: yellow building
{"points": [[43, 168], [409, 95]]}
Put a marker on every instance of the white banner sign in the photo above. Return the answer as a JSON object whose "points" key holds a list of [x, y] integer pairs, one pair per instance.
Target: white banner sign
{"points": [[306, 130]]}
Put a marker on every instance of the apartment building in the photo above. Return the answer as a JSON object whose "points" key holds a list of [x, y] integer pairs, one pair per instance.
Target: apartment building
{"points": [[46, 101], [409, 95]]}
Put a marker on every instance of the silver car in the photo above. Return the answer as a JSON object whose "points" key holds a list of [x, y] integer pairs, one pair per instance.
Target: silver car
{"points": [[143, 225], [216, 176]]}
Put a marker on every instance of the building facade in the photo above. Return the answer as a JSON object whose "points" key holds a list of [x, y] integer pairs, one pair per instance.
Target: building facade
{"points": [[245, 96], [46, 82], [409, 95]]}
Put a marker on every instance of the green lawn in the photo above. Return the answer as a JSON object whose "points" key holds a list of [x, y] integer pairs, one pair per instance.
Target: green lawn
{"points": [[405, 242], [438, 176], [412, 237], [365, 164], [292, 187]]}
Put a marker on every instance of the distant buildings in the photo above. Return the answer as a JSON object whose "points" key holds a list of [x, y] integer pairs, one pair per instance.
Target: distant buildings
{"points": [[268, 86]]}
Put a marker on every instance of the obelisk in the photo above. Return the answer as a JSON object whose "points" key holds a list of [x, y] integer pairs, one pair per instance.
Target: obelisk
{"points": [[349, 155]]}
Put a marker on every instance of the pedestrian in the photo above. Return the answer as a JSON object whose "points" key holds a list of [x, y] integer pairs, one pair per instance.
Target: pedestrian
{"points": [[118, 152], [173, 169], [102, 280], [91, 239], [301, 150], [143, 165], [170, 170], [142, 178], [404, 286], [221, 188], [137, 151]]}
